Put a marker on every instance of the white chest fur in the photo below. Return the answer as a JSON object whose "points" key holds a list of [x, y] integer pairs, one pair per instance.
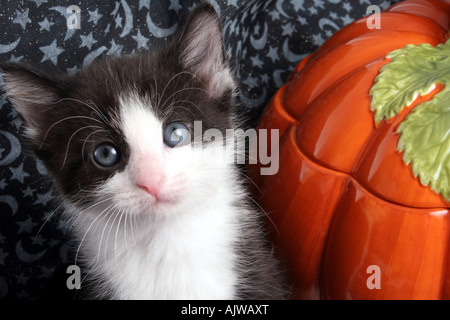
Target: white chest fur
{"points": [[189, 256]]}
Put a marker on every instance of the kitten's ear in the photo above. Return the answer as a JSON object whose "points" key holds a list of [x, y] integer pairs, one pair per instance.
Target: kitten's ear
{"points": [[31, 93], [202, 50]]}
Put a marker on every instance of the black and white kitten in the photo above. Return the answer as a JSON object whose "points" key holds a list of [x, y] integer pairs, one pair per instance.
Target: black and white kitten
{"points": [[157, 216]]}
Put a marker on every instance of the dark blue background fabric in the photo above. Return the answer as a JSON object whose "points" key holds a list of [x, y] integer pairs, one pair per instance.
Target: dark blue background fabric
{"points": [[264, 41]]}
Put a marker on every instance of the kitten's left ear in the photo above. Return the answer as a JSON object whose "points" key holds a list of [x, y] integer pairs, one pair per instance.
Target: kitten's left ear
{"points": [[202, 50], [31, 93]]}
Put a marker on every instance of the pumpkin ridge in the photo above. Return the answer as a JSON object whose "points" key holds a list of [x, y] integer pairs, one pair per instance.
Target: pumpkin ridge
{"points": [[390, 23], [433, 9], [366, 48], [355, 180]]}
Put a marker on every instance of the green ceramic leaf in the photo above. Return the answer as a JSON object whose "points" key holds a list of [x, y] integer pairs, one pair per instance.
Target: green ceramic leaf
{"points": [[425, 140], [425, 132]]}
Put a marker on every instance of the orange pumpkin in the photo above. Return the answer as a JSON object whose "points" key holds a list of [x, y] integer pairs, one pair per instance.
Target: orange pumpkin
{"points": [[351, 216]]}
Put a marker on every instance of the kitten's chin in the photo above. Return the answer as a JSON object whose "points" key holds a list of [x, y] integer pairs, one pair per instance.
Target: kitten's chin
{"points": [[160, 205]]}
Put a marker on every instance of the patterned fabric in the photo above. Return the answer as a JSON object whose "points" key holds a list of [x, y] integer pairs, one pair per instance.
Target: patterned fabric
{"points": [[264, 41]]}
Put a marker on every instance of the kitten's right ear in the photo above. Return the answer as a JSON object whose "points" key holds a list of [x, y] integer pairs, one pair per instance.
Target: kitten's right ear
{"points": [[202, 50], [31, 93]]}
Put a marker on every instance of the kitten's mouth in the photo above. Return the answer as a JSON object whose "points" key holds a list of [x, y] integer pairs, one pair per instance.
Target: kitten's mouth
{"points": [[153, 191], [156, 195], [162, 192]]}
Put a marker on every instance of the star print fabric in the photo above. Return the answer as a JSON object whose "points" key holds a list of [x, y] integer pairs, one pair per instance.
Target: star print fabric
{"points": [[264, 41]]}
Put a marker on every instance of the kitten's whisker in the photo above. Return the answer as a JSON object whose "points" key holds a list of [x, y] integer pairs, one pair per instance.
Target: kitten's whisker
{"points": [[48, 218], [140, 67], [117, 231], [132, 217], [265, 213], [97, 110], [180, 91], [87, 231], [103, 232], [125, 229], [156, 93], [109, 232], [240, 230], [110, 213], [84, 144], [198, 108], [168, 112], [104, 214], [94, 108], [199, 89], [62, 120], [93, 206], [70, 139], [249, 179], [176, 75]]}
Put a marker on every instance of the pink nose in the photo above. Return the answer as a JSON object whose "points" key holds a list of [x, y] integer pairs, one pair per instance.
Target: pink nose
{"points": [[151, 181], [148, 172], [151, 189]]}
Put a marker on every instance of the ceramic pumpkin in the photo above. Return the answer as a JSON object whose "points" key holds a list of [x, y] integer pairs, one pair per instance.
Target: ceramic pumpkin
{"points": [[360, 203]]}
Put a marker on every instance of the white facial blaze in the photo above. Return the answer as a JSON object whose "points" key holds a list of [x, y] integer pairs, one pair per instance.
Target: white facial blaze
{"points": [[142, 130]]}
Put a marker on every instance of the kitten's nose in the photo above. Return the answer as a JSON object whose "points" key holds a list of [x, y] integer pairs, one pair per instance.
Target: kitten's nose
{"points": [[153, 186], [151, 189], [148, 173]]}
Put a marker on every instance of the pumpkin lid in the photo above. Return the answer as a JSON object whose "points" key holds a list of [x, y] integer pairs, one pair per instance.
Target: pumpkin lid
{"points": [[329, 96], [425, 133]]}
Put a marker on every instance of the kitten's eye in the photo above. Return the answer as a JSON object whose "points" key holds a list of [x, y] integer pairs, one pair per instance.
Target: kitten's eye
{"points": [[175, 134], [106, 155]]}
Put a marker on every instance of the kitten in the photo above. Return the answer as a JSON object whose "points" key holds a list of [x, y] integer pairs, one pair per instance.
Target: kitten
{"points": [[157, 216]]}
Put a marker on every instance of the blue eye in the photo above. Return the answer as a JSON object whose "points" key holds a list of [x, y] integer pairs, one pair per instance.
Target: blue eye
{"points": [[106, 154], [175, 134]]}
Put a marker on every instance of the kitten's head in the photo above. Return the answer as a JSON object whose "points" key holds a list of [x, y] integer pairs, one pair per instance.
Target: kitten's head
{"points": [[118, 134]]}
